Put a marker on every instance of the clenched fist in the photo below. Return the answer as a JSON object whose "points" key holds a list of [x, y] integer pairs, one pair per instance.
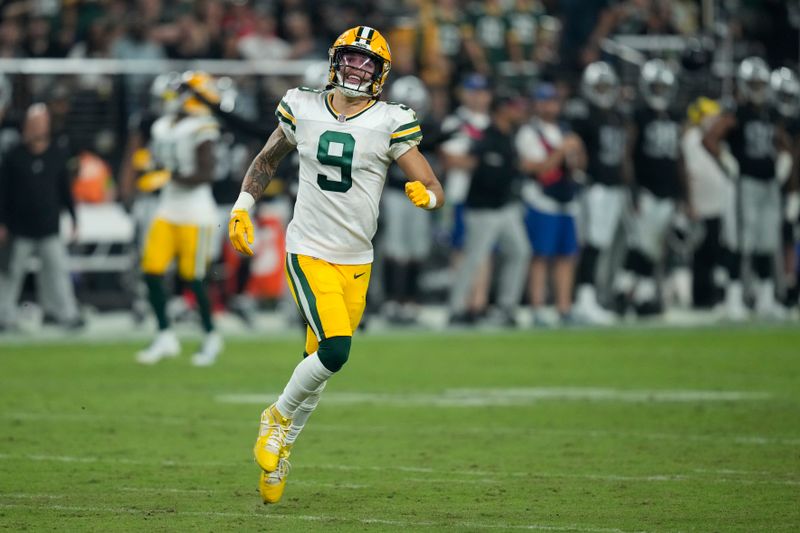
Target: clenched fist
{"points": [[240, 231], [418, 194]]}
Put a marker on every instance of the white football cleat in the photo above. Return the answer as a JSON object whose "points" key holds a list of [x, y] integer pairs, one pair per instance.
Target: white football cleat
{"points": [[735, 310], [211, 348], [164, 345], [588, 311]]}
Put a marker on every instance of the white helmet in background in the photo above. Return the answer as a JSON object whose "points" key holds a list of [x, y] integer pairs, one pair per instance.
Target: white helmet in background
{"points": [[785, 91], [316, 75], [752, 79], [228, 93], [600, 84], [410, 90], [164, 93], [657, 84]]}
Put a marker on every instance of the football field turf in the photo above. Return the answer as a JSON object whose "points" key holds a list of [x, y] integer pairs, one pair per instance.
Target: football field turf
{"points": [[588, 431]]}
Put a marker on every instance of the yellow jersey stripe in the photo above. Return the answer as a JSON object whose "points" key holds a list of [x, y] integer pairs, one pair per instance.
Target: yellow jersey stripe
{"points": [[403, 133], [286, 113]]}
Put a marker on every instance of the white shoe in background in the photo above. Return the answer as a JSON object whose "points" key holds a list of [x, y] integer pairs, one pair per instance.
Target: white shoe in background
{"points": [[588, 311], [767, 307], [164, 345], [735, 309], [210, 349]]}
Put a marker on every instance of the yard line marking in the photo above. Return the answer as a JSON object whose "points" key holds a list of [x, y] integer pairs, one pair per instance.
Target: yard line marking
{"points": [[28, 496], [314, 518], [473, 473], [157, 490], [344, 428], [511, 397], [167, 489]]}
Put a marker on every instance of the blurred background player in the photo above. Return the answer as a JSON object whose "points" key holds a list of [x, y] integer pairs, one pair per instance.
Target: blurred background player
{"points": [[603, 129], [786, 96], [140, 176], [183, 225], [760, 145], [712, 173], [658, 187], [407, 235], [556, 159]]}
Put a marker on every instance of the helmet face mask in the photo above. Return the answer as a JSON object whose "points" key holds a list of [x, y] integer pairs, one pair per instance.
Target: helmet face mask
{"points": [[657, 84], [600, 85], [359, 62], [786, 92], [753, 79]]}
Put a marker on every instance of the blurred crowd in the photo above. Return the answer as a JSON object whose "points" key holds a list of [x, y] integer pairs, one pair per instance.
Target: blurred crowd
{"points": [[601, 158]]}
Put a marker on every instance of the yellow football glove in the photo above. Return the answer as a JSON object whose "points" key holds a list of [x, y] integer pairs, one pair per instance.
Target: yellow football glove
{"points": [[153, 180], [418, 194], [240, 231]]}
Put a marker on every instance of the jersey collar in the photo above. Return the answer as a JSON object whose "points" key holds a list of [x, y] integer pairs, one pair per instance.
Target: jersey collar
{"points": [[335, 114]]}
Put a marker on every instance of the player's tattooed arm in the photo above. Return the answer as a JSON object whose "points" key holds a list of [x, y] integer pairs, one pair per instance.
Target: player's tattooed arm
{"points": [[263, 167]]}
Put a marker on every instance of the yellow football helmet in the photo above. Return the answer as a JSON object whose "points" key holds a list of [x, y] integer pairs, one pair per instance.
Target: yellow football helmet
{"points": [[365, 41], [203, 84]]}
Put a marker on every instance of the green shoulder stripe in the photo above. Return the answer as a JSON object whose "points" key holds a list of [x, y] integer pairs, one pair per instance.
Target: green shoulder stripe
{"points": [[284, 119], [406, 126], [404, 138], [286, 107]]}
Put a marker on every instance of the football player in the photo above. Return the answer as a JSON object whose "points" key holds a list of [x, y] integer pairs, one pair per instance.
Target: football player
{"points": [[346, 140], [407, 230], [184, 144], [658, 187], [760, 146], [603, 129], [786, 93]]}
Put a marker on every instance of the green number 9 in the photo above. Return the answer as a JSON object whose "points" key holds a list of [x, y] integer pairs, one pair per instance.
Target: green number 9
{"points": [[336, 150]]}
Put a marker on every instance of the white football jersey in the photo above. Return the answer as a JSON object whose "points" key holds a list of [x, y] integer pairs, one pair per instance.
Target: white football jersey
{"points": [[174, 147], [343, 165]]}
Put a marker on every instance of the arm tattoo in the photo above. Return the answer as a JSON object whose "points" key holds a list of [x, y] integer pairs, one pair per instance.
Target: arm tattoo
{"points": [[263, 167]]}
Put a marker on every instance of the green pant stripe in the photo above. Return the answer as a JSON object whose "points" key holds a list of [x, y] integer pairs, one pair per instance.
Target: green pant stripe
{"points": [[306, 296], [297, 294]]}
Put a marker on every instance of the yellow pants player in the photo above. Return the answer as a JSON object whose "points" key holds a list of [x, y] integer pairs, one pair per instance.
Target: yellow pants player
{"points": [[346, 140]]}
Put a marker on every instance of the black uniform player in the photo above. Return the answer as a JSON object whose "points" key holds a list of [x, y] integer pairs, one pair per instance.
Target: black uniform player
{"points": [[658, 187], [786, 94], [758, 143], [406, 233], [603, 129]]}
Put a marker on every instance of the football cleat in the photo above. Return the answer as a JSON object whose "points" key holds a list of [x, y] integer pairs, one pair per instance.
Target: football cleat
{"points": [[211, 348], [271, 484], [271, 438], [165, 345]]}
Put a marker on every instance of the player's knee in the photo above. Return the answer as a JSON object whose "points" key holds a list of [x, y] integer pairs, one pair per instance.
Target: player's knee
{"points": [[333, 352]]}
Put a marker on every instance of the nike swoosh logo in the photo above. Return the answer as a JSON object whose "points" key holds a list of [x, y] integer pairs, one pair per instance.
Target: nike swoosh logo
{"points": [[356, 276]]}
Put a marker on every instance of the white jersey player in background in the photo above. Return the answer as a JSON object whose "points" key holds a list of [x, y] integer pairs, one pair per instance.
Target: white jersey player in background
{"points": [[183, 143], [346, 140]]}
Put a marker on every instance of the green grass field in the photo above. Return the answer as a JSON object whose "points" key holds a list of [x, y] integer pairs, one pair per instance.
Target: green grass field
{"points": [[630, 430]]}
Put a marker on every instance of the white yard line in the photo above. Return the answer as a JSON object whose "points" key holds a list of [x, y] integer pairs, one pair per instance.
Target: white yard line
{"points": [[511, 397], [82, 418], [312, 518], [473, 473]]}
